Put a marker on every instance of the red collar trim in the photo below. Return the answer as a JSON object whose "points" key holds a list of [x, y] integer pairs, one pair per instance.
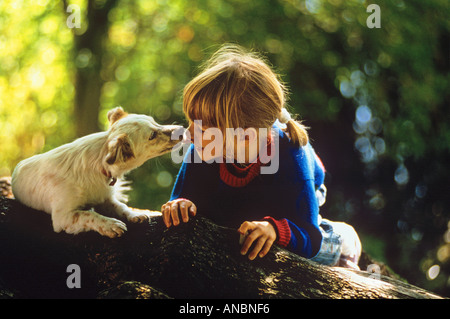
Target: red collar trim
{"points": [[244, 174], [112, 180], [235, 181]]}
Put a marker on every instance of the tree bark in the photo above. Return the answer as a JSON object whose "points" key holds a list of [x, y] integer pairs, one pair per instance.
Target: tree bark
{"points": [[198, 259]]}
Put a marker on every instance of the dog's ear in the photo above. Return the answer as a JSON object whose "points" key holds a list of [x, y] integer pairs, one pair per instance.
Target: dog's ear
{"points": [[116, 114], [120, 149]]}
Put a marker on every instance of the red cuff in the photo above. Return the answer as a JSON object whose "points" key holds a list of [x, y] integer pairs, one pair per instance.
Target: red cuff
{"points": [[282, 229]]}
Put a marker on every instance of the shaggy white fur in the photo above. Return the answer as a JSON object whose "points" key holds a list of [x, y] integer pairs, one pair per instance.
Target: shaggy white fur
{"points": [[77, 181]]}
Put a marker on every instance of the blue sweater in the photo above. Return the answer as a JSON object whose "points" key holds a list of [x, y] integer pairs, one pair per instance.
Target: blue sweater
{"points": [[229, 196]]}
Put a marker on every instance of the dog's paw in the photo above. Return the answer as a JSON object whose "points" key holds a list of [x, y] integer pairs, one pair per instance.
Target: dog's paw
{"points": [[112, 228], [135, 215]]}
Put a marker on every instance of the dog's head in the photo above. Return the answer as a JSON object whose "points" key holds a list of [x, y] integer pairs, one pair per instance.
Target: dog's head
{"points": [[135, 138]]}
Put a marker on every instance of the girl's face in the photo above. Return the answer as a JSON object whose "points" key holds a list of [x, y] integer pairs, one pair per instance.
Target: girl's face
{"points": [[209, 143], [198, 138]]}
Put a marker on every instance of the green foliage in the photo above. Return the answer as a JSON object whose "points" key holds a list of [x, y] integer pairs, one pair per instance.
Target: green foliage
{"points": [[376, 99], [35, 81]]}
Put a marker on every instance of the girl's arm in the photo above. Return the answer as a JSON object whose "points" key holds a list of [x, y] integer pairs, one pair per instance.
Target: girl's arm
{"points": [[299, 231]]}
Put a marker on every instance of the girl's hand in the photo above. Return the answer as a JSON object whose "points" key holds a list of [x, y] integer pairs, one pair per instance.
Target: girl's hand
{"points": [[262, 232], [171, 209]]}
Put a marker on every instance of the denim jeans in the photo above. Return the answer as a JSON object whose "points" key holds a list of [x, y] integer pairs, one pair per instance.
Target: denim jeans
{"points": [[330, 250]]}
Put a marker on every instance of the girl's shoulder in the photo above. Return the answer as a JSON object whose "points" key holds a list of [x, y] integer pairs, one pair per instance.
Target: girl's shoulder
{"points": [[294, 160], [288, 149]]}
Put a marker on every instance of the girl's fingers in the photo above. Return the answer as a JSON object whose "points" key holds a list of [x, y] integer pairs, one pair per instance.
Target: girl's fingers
{"points": [[174, 213], [166, 215], [193, 209], [171, 214], [258, 246], [252, 235], [249, 241], [184, 211], [245, 227], [266, 248]]}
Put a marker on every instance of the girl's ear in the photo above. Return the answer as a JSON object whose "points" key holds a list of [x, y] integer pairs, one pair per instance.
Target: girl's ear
{"points": [[119, 150]]}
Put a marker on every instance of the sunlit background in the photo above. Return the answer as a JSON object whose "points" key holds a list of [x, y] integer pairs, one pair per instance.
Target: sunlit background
{"points": [[376, 100]]}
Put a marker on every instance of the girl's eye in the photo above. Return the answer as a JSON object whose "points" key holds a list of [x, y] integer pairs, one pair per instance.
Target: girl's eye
{"points": [[152, 135]]}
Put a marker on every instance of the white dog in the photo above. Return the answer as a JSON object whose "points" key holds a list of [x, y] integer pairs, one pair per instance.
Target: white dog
{"points": [[69, 181]]}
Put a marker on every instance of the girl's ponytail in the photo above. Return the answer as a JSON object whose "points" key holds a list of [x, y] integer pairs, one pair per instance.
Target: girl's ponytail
{"points": [[296, 130]]}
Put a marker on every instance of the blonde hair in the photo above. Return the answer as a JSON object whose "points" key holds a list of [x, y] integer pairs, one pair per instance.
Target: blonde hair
{"points": [[237, 89]]}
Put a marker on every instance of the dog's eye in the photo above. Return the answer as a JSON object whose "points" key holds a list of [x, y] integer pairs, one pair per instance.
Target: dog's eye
{"points": [[152, 135]]}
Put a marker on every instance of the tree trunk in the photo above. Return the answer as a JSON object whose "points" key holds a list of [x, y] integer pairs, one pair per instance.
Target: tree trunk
{"points": [[89, 48], [195, 260]]}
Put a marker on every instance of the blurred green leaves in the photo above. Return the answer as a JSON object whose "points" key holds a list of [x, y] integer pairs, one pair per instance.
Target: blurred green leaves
{"points": [[34, 54]]}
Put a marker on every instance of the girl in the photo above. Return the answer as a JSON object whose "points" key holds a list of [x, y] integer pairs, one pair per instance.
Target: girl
{"points": [[237, 89]]}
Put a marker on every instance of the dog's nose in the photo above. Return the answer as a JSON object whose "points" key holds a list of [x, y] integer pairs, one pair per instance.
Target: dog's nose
{"points": [[176, 133], [185, 135], [179, 131]]}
